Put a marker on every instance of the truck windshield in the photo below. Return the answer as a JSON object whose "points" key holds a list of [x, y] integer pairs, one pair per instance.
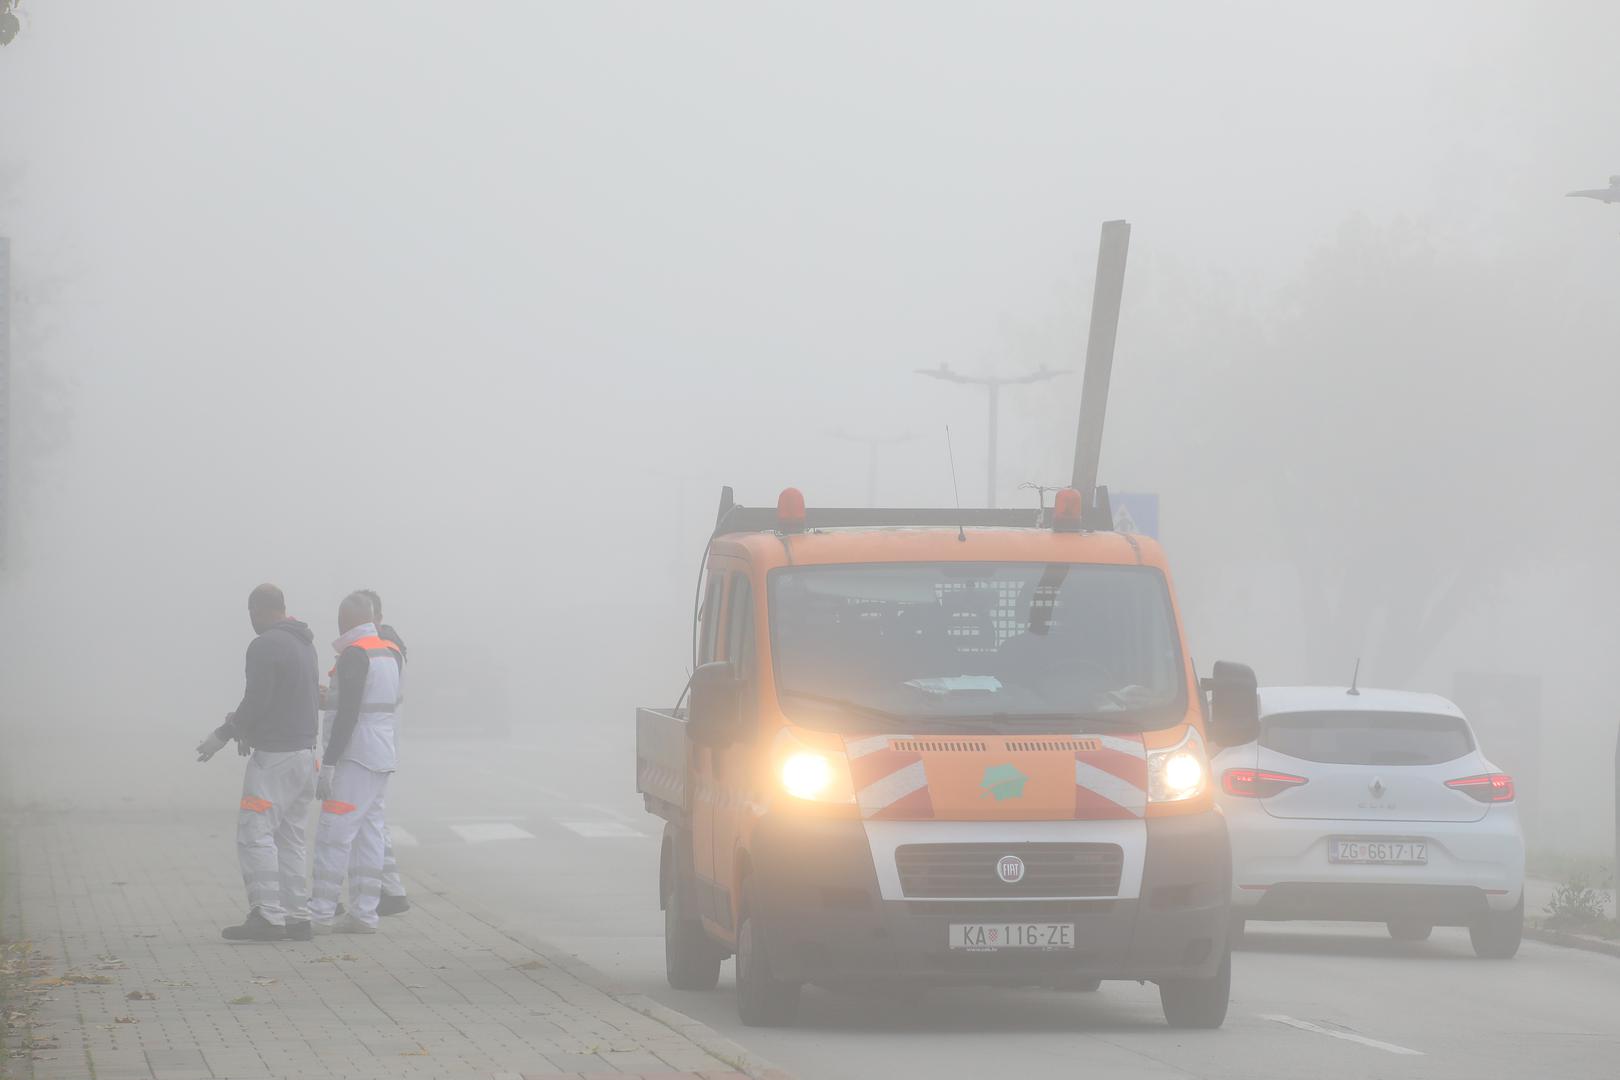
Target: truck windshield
{"points": [[987, 646]]}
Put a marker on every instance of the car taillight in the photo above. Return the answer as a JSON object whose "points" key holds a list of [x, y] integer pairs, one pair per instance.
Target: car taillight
{"points": [[1258, 783], [1486, 788]]}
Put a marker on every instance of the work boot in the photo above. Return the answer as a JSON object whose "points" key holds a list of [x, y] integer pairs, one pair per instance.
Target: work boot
{"points": [[392, 905], [351, 925], [254, 928], [299, 930]]}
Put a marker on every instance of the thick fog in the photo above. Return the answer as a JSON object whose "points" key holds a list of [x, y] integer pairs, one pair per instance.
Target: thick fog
{"points": [[480, 305]]}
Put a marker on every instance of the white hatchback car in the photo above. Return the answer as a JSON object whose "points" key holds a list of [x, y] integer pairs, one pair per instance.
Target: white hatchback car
{"points": [[1372, 806]]}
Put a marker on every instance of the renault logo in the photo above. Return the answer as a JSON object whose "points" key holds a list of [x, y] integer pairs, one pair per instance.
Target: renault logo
{"points": [[1010, 869]]}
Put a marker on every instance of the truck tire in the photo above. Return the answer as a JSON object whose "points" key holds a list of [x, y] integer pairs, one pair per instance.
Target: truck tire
{"points": [[691, 960], [1409, 929], [1198, 1003], [1497, 934], [762, 1000]]}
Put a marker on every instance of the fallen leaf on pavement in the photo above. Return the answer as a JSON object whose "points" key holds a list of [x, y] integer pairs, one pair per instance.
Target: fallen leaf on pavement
{"points": [[140, 995], [420, 1051], [81, 977], [125, 1020], [263, 980], [244, 999], [530, 965]]}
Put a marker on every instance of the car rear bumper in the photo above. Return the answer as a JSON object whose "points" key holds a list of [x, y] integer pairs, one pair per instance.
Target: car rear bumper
{"points": [[1281, 869], [823, 918]]}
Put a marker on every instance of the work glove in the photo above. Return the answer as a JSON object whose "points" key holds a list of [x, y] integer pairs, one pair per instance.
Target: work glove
{"points": [[210, 746], [323, 783]]}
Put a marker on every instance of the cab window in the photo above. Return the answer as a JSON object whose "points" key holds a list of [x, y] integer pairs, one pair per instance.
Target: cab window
{"points": [[740, 627]]}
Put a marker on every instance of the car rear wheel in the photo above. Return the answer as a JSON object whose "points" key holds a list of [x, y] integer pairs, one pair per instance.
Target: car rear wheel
{"points": [[691, 960], [1496, 935], [762, 999], [1409, 929], [1198, 1003]]}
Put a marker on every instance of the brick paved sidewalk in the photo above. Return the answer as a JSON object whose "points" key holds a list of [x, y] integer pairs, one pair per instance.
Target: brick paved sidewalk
{"points": [[135, 980]]}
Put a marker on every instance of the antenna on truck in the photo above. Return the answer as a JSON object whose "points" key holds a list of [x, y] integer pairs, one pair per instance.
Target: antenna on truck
{"points": [[961, 531], [1355, 677]]}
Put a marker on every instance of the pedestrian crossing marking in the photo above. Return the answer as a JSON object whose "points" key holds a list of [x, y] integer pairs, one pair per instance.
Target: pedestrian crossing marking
{"points": [[598, 830], [402, 837], [485, 831]]}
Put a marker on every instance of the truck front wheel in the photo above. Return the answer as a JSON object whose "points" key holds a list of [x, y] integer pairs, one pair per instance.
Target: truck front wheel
{"points": [[762, 1000], [1198, 1003], [691, 960]]}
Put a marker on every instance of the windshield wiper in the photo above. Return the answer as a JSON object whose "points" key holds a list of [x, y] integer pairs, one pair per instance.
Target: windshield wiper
{"points": [[845, 704]]}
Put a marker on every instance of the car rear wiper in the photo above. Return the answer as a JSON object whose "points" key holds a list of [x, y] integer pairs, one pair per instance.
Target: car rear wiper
{"points": [[846, 704]]}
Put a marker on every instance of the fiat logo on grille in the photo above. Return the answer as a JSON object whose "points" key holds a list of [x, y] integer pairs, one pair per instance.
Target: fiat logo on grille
{"points": [[1010, 869]]}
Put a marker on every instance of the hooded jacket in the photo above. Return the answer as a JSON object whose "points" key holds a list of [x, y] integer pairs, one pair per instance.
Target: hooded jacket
{"points": [[279, 706]]}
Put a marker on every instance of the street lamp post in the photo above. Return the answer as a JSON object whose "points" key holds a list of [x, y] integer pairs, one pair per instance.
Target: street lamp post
{"points": [[992, 385]]}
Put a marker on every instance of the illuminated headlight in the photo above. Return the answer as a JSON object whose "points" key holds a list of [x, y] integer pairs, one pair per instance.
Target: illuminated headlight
{"points": [[807, 775], [1178, 774], [810, 774]]}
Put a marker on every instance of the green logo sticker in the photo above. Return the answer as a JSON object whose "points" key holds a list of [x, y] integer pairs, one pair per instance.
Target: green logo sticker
{"points": [[1004, 782]]}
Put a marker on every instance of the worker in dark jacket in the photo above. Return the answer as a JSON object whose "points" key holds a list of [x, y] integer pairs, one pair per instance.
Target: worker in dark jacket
{"points": [[393, 901], [276, 724]]}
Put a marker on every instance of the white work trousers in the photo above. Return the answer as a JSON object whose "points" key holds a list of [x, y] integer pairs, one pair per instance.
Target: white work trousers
{"points": [[270, 826], [391, 884], [349, 843]]}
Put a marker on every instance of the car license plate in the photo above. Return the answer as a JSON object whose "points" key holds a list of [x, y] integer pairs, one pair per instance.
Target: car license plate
{"points": [[989, 937], [1378, 852]]}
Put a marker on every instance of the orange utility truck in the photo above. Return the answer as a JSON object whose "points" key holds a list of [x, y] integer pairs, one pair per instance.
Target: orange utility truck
{"points": [[930, 746]]}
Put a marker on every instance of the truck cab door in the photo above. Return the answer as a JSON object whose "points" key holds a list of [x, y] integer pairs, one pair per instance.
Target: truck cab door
{"points": [[733, 763], [702, 799]]}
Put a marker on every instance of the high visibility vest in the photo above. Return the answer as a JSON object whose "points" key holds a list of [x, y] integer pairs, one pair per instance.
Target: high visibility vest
{"points": [[373, 743]]}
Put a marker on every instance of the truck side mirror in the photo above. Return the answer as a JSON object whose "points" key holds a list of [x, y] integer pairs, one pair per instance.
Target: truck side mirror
{"points": [[1234, 704], [716, 709]]}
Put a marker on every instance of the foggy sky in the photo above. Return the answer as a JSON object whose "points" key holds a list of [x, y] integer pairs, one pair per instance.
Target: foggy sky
{"points": [[478, 305]]}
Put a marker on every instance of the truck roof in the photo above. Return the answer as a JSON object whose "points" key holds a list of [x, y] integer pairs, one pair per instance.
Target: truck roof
{"points": [[940, 544]]}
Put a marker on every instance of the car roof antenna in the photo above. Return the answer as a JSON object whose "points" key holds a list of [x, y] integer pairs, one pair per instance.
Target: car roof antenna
{"points": [[961, 532], [1355, 678]]}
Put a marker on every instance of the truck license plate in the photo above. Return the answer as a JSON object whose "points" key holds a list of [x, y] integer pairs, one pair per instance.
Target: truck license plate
{"points": [[989, 937], [1385, 852]]}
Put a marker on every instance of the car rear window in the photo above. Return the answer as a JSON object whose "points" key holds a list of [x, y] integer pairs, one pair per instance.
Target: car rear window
{"points": [[1367, 738]]}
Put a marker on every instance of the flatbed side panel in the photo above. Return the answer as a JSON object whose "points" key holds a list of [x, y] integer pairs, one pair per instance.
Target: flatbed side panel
{"points": [[662, 758]]}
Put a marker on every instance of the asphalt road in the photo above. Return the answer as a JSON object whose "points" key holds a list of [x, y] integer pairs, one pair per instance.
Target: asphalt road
{"points": [[559, 846]]}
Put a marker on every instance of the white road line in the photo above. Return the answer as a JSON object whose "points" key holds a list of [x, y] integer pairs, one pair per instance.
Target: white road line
{"points": [[483, 832], [597, 830], [1347, 1036], [608, 811], [402, 837]]}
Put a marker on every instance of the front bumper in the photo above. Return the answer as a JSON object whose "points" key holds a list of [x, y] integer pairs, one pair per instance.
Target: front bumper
{"points": [[1281, 869], [823, 918]]}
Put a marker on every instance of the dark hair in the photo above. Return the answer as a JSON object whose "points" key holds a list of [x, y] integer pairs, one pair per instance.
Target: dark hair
{"points": [[376, 601], [267, 597]]}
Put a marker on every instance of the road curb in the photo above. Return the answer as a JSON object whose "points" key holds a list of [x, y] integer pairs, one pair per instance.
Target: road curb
{"points": [[1573, 941], [694, 1031]]}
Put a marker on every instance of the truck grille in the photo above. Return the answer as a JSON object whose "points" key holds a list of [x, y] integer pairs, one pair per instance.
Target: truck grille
{"points": [[969, 870]]}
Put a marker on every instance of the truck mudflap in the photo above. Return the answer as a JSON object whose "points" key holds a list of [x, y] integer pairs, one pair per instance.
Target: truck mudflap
{"points": [[824, 919], [662, 762]]}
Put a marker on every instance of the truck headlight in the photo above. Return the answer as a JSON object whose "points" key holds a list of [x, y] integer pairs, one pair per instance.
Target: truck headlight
{"points": [[809, 773], [1177, 774]]}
